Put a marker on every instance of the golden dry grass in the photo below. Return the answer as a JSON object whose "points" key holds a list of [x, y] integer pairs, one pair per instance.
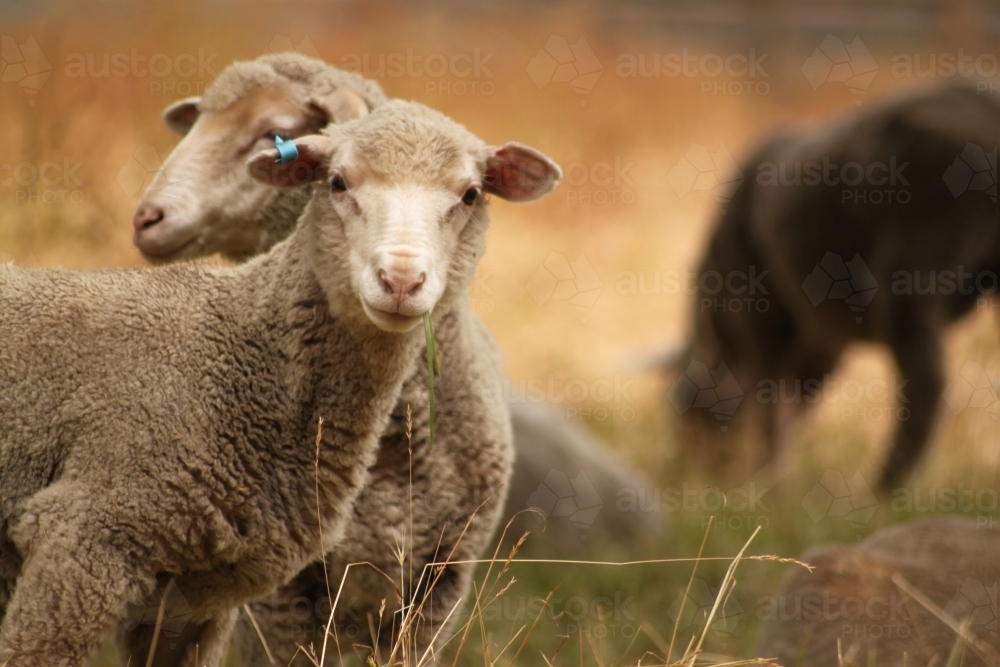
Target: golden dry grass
{"points": [[637, 225]]}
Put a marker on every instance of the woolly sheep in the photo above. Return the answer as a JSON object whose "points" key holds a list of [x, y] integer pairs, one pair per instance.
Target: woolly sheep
{"points": [[204, 178], [543, 441], [801, 217], [160, 424], [852, 598]]}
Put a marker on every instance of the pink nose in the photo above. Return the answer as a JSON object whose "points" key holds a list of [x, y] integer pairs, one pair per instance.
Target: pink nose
{"points": [[146, 218], [400, 286]]}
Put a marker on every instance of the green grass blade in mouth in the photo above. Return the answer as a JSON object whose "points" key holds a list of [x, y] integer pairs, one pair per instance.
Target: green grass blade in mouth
{"points": [[433, 370]]}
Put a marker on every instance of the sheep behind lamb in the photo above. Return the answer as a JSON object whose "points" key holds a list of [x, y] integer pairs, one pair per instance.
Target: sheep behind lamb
{"points": [[246, 107], [448, 483], [160, 425]]}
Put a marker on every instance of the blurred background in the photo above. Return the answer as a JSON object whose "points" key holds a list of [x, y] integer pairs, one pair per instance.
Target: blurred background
{"points": [[648, 106]]}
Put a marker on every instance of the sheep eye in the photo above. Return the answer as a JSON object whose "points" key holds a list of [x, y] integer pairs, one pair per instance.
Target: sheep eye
{"points": [[470, 196], [338, 184]]}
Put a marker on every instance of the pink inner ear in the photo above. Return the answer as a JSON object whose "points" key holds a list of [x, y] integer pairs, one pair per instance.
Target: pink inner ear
{"points": [[514, 174], [182, 115]]}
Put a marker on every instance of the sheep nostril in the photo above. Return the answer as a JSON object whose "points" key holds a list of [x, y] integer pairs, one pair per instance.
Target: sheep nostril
{"points": [[146, 218], [386, 282], [415, 286], [398, 285]]}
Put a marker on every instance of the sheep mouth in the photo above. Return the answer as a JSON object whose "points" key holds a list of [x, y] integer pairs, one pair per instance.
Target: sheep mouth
{"points": [[163, 252], [388, 321]]}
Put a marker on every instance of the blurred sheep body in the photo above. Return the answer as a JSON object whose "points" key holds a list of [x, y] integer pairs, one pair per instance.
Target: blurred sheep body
{"points": [[160, 426], [548, 444], [448, 482], [851, 598], [843, 264]]}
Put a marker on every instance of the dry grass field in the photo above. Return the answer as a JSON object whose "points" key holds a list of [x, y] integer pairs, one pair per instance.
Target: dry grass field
{"points": [[579, 289]]}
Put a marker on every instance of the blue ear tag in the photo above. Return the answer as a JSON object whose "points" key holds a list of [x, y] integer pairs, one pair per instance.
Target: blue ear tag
{"points": [[287, 151]]}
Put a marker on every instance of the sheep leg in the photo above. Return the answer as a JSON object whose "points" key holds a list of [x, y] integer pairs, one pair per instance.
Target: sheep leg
{"points": [[917, 349], [179, 646], [71, 592], [10, 566]]}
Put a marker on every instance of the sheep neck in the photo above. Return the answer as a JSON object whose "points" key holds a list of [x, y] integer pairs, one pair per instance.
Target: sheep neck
{"points": [[347, 374]]}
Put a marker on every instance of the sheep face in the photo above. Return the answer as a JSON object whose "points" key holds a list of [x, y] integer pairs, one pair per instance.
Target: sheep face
{"points": [[202, 200], [398, 215]]}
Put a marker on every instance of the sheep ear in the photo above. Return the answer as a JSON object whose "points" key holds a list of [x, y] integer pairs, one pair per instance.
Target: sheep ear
{"points": [[182, 114], [310, 165], [520, 173], [339, 106]]}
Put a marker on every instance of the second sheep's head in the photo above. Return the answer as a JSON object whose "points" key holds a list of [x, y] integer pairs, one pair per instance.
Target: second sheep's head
{"points": [[401, 194]]}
